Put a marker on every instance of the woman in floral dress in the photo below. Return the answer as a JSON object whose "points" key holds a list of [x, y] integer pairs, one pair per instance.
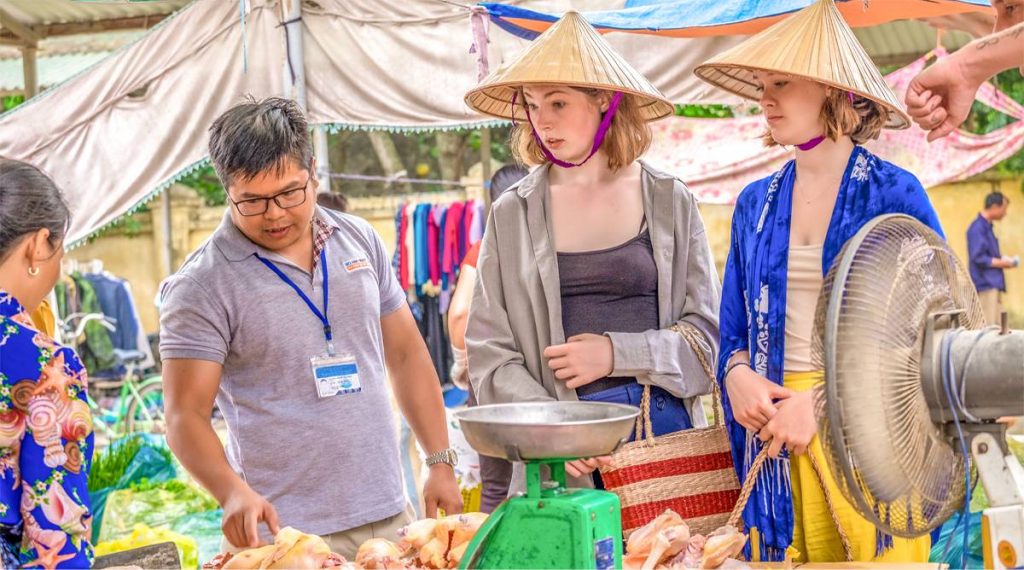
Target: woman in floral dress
{"points": [[46, 439]]}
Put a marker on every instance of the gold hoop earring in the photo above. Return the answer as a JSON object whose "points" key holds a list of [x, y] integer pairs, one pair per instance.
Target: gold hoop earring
{"points": [[33, 271]]}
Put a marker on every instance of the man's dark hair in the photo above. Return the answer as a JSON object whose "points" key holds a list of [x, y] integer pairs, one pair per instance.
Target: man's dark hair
{"points": [[995, 199], [256, 135]]}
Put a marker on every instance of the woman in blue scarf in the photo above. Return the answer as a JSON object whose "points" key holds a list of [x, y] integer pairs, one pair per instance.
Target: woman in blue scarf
{"points": [[820, 93]]}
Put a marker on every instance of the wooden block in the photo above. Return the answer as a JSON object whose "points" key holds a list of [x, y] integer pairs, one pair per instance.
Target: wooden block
{"points": [[163, 555]]}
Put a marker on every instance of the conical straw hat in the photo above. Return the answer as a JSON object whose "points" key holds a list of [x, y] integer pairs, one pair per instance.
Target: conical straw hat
{"points": [[569, 53], [816, 44]]}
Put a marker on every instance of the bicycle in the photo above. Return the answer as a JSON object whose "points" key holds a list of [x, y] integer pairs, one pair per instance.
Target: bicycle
{"points": [[140, 401]]}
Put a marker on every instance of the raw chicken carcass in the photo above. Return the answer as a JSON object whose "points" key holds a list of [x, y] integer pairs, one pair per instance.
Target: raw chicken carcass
{"points": [[642, 539], [445, 527], [434, 553], [378, 554], [723, 543], [690, 558], [291, 549], [467, 526], [335, 560], [295, 549], [633, 561], [667, 543], [456, 553], [415, 535], [248, 559]]}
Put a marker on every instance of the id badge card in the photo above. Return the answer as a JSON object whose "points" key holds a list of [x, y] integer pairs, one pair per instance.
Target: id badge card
{"points": [[335, 375]]}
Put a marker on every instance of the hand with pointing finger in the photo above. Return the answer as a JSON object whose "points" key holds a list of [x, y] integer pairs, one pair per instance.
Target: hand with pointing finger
{"points": [[243, 511]]}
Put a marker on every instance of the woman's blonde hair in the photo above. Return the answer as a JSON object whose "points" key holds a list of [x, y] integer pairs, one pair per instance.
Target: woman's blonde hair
{"points": [[862, 120], [627, 140]]}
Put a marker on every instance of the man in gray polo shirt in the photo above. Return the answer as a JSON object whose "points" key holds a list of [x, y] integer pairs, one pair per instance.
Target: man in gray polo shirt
{"points": [[287, 317]]}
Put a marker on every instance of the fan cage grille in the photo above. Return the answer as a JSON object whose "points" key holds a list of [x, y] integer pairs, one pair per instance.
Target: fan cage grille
{"points": [[891, 461]]}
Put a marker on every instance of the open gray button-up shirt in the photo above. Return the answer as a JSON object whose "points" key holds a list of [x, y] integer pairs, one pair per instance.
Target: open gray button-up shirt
{"points": [[516, 311]]}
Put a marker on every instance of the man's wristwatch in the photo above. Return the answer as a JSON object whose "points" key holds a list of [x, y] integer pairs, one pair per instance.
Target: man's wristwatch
{"points": [[448, 456]]}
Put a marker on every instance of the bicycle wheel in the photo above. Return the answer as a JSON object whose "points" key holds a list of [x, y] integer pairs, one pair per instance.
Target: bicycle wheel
{"points": [[145, 413]]}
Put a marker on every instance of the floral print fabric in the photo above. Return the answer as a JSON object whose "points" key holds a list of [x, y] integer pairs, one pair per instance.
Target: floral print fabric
{"points": [[46, 446]]}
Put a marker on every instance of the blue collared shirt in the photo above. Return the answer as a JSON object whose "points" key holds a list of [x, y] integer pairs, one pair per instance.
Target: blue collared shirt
{"points": [[982, 246]]}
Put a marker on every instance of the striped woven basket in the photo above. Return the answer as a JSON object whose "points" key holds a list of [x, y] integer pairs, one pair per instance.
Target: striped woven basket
{"points": [[690, 472]]}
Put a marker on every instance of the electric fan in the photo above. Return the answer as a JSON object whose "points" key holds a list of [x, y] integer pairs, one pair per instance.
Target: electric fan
{"points": [[913, 383]]}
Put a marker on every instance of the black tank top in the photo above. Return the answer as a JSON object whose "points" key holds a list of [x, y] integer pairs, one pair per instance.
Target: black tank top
{"points": [[610, 290]]}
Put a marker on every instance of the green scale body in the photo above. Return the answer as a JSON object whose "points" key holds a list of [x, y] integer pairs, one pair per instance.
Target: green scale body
{"points": [[550, 527]]}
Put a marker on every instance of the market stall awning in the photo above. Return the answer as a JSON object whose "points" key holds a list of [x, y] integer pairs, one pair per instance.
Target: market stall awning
{"points": [[23, 20]]}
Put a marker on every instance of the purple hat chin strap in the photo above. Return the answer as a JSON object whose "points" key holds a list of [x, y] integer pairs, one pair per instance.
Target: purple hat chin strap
{"points": [[811, 143], [818, 139], [602, 130]]}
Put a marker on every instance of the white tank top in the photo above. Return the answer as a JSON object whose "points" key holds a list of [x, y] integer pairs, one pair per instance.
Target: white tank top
{"points": [[803, 283]]}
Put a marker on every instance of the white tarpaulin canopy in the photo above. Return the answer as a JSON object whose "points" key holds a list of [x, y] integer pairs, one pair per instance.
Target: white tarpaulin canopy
{"points": [[118, 133], [410, 65]]}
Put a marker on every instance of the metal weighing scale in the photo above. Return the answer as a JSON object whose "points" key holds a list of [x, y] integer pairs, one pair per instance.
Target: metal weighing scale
{"points": [[550, 525]]}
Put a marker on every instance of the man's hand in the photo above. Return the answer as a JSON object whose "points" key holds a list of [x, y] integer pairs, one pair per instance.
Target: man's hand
{"points": [[243, 511], [442, 490], [940, 97]]}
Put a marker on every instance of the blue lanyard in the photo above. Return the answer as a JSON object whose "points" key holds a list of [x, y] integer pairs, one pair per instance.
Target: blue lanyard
{"points": [[323, 319]]}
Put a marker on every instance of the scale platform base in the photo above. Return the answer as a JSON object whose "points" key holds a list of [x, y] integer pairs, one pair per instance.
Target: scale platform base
{"points": [[576, 528]]}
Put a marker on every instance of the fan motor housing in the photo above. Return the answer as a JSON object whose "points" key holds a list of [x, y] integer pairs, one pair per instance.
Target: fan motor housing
{"points": [[987, 366]]}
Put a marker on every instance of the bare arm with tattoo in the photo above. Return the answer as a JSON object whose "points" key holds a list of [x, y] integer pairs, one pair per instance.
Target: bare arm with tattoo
{"points": [[940, 97]]}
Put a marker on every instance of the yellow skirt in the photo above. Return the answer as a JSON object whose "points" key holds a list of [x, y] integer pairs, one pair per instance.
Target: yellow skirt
{"points": [[815, 538]]}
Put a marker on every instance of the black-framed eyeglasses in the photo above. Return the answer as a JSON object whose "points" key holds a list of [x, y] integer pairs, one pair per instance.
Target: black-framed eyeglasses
{"points": [[284, 200]]}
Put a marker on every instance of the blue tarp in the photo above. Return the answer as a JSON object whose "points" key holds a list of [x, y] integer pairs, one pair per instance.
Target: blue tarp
{"points": [[674, 15]]}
